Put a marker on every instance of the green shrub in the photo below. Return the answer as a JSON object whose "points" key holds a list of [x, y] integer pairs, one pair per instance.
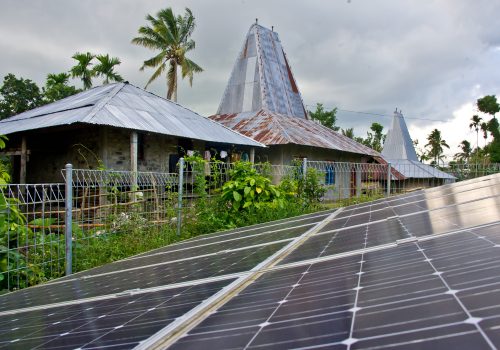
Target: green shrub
{"points": [[248, 190], [309, 188]]}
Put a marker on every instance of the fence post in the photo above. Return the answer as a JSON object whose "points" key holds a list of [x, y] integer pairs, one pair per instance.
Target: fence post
{"points": [[304, 168], [69, 218], [388, 179], [179, 200]]}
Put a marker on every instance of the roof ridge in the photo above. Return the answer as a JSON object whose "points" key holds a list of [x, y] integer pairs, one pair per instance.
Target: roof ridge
{"points": [[104, 101]]}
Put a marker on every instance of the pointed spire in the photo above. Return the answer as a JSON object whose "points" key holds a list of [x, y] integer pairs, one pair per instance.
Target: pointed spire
{"points": [[262, 78], [398, 143]]}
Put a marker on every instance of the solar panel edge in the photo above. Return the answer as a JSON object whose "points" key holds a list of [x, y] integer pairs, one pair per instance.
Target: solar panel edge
{"points": [[172, 332], [120, 294]]}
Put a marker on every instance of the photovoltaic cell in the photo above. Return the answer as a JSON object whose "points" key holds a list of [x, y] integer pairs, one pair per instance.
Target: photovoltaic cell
{"points": [[120, 322]]}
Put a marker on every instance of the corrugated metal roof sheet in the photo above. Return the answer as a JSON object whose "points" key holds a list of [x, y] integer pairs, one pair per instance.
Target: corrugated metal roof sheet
{"points": [[262, 78], [398, 143], [399, 151], [412, 169], [274, 129], [125, 106]]}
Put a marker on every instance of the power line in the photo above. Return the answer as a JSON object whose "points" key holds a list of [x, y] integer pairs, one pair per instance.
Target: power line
{"points": [[377, 114]]}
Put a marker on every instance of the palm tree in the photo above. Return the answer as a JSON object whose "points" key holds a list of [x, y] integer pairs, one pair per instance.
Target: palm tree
{"points": [[475, 124], [82, 69], [436, 143], [105, 68], [57, 78], [57, 88], [466, 151], [171, 36]]}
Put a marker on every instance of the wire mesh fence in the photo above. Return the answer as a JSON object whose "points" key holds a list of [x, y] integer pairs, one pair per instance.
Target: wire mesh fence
{"points": [[471, 170], [97, 208], [31, 234]]}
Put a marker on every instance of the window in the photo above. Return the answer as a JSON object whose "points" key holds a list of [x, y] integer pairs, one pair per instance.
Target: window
{"points": [[330, 175]]}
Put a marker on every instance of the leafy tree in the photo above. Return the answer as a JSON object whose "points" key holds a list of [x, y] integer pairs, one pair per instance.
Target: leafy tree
{"points": [[57, 88], [494, 146], [325, 117], [348, 132], [83, 68], [376, 138], [18, 95], [489, 105], [171, 36], [106, 68], [476, 124], [436, 144], [466, 152]]}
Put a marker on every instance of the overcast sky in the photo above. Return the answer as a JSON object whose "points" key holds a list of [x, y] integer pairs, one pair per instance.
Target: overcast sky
{"points": [[432, 59]]}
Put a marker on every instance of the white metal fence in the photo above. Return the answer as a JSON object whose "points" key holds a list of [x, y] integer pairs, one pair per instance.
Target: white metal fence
{"points": [[44, 226]]}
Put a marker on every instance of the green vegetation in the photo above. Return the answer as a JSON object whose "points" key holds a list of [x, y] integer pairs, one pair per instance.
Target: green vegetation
{"points": [[18, 95], [375, 139], [327, 118], [106, 68], [171, 36], [82, 69], [463, 157], [436, 144], [57, 88], [85, 69], [248, 190]]}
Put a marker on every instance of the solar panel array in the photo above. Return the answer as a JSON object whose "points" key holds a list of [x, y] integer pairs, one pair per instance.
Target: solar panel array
{"points": [[420, 270]]}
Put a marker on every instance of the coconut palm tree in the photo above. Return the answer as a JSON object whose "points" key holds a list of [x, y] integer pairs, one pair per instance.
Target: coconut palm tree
{"points": [[436, 143], [83, 69], [466, 151], [105, 68], [476, 124], [170, 35]]}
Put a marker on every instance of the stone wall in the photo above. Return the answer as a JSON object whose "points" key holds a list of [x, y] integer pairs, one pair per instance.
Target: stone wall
{"points": [[154, 150], [85, 146]]}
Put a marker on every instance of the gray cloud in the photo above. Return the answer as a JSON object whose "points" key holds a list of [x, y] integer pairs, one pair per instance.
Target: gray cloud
{"points": [[428, 58]]}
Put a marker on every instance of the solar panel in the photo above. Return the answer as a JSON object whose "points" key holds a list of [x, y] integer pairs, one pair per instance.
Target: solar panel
{"points": [[117, 322], [393, 297], [420, 270]]}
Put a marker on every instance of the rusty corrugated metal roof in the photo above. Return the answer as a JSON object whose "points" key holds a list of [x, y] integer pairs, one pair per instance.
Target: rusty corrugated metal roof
{"points": [[125, 106], [262, 100], [262, 78], [275, 129]]}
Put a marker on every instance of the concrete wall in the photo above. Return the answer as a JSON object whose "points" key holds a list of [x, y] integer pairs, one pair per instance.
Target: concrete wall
{"points": [[285, 154]]}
